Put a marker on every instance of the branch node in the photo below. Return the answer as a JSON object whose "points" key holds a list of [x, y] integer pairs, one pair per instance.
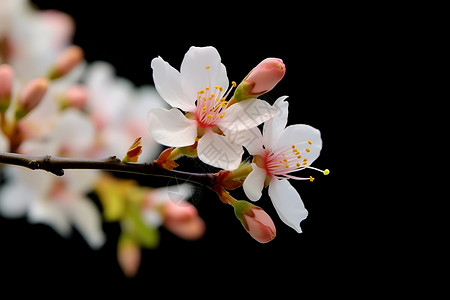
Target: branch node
{"points": [[48, 166], [113, 159], [34, 165]]}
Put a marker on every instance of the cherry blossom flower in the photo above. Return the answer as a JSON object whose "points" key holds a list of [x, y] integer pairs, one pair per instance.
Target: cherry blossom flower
{"points": [[200, 90], [33, 39], [276, 154], [60, 202], [119, 111]]}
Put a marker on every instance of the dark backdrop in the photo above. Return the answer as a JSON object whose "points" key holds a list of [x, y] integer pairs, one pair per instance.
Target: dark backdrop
{"points": [[329, 54]]}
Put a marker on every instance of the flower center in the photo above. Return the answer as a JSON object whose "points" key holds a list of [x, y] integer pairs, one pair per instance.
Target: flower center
{"points": [[287, 159], [211, 104]]}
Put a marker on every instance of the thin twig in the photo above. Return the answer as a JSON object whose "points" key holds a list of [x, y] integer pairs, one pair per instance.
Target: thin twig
{"points": [[57, 165]]}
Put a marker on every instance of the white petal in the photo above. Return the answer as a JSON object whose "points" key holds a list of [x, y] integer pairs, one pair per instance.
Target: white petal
{"points": [[287, 203], [168, 83], [38, 182], [80, 181], [51, 213], [252, 140], [171, 127], [274, 128], [176, 193], [195, 76], [87, 220], [246, 114], [152, 217], [302, 133], [254, 183], [217, 150], [14, 200], [75, 132]]}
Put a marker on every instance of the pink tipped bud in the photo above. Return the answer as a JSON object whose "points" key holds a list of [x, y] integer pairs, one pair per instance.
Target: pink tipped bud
{"points": [[263, 78], [31, 96], [66, 62], [256, 221], [266, 75], [75, 96], [260, 226], [6, 82], [183, 220], [129, 256]]}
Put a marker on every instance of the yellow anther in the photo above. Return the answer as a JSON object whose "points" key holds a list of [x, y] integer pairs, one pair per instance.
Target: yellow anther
{"points": [[209, 116], [305, 163], [285, 160], [207, 88], [311, 178], [233, 83], [326, 172], [298, 164], [216, 86], [309, 142], [222, 114], [299, 156], [307, 150], [293, 146], [220, 88], [305, 159], [208, 67], [286, 166], [212, 96]]}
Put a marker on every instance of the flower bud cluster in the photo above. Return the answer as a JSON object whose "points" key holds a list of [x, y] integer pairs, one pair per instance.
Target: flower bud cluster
{"points": [[141, 211]]}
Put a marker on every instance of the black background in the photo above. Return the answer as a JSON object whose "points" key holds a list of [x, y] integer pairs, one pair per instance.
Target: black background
{"points": [[332, 57]]}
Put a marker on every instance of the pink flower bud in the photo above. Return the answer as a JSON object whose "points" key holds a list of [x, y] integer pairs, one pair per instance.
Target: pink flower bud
{"points": [[66, 62], [129, 256], [266, 75], [260, 225], [183, 220], [263, 78], [6, 82], [31, 96], [76, 96], [256, 221]]}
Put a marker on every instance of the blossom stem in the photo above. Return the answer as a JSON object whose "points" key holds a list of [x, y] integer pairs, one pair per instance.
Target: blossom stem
{"points": [[56, 165], [224, 195]]}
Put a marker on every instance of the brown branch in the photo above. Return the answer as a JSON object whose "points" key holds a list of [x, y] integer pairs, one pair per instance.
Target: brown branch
{"points": [[56, 165]]}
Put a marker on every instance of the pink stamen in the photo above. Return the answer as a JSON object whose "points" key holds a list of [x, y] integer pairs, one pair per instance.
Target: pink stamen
{"points": [[287, 159]]}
